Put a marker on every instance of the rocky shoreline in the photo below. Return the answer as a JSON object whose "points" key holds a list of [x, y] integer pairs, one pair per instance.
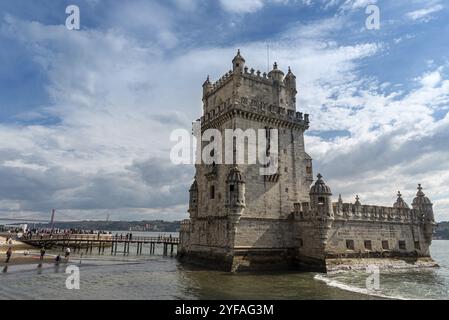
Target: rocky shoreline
{"points": [[384, 264]]}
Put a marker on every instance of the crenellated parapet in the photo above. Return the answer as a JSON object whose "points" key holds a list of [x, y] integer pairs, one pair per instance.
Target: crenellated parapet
{"points": [[350, 211], [320, 205], [225, 79], [268, 96], [358, 212], [271, 114]]}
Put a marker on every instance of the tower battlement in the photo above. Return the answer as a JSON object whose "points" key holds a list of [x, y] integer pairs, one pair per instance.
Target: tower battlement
{"points": [[252, 93]]}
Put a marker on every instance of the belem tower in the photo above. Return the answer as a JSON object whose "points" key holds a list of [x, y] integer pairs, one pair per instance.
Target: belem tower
{"points": [[242, 220]]}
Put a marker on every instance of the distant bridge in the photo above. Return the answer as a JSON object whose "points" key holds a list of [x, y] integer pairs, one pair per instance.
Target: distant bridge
{"points": [[87, 242]]}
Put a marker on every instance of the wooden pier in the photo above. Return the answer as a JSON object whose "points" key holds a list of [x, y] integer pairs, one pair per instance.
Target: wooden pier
{"points": [[104, 243]]}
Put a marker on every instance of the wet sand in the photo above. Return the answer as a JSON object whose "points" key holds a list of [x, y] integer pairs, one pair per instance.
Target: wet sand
{"points": [[20, 259], [16, 245]]}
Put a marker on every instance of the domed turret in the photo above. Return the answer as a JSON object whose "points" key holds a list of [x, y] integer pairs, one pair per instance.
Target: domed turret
{"points": [[424, 205], [400, 203], [320, 187], [421, 198], [290, 87], [320, 198], [235, 189], [235, 175], [276, 74], [425, 208], [207, 87], [193, 201], [194, 186], [238, 63], [290, 79]]}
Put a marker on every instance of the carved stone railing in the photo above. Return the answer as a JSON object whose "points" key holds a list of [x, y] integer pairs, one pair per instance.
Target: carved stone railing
{"points": [[353, 212]]}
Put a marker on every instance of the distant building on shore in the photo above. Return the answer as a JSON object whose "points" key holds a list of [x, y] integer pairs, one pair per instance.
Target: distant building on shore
{"points": [[242, 220]]}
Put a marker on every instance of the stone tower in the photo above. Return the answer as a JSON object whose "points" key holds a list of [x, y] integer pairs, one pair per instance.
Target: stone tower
{"points": [[243, 216], [240, 218]]}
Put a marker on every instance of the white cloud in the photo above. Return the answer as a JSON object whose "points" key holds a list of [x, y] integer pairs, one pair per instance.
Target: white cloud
{"points": [[431, 79], [251, 6], [242, 6], [424, 14], [357, 4]]}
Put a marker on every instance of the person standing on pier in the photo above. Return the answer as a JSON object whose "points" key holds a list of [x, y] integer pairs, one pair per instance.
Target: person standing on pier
{"points": [[67, 253], [8, 255], [42, 253]]}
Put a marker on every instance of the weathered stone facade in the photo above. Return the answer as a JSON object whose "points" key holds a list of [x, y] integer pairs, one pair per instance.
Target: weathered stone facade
{"points": [[240, 219]]}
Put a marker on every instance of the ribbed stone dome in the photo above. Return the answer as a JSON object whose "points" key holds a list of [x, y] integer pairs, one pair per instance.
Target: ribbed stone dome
{"points": [[194, 186], [400, 203], [421, 198], [276, 74], [238, 57], [290, 74], [235, 175], [320, 187]]}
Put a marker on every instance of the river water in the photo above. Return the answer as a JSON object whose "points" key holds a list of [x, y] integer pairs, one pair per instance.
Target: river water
{"points": [[158, 277]]}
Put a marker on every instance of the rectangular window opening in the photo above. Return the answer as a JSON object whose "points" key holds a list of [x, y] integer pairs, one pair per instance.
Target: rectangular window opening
{"points": [[350, 244]]}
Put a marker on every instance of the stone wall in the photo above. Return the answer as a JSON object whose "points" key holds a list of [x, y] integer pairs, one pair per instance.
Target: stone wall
{"points": [[253, 233], [358, 231], [368, 238]]}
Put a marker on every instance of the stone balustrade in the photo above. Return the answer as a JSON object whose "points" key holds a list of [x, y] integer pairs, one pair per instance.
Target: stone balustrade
{"points": [[349, 211]]}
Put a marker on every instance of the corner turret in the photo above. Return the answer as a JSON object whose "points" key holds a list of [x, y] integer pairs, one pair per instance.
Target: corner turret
{"points": [[425, 207], [400, 203], [193, 201], [235, 192], [238, 63], [276, 75], [290, 80], [207, 88], [320, 198]]}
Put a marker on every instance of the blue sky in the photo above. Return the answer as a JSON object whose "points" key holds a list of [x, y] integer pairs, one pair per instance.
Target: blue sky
{"points": [[85, 116]]}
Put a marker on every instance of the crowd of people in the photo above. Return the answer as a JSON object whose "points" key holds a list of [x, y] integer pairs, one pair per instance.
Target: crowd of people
{"points": [[42, 253], [57, 231]]}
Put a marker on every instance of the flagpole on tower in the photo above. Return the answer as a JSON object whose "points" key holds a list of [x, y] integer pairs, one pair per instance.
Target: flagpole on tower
{"points": [[268, 58]]}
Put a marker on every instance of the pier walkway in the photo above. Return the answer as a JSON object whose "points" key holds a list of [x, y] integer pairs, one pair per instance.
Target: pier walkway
{"points": [[103, 243]]}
